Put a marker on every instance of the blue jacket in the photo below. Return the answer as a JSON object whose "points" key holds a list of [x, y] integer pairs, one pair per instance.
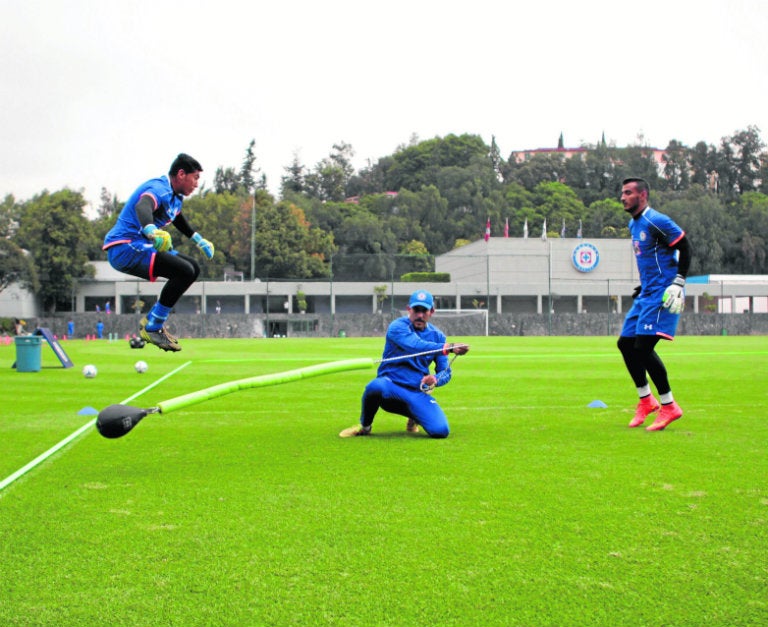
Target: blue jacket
{"points": [[403, 339]]}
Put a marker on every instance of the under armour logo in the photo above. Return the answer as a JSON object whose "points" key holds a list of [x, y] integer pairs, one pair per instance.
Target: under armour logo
{"points": [[647, 327]]}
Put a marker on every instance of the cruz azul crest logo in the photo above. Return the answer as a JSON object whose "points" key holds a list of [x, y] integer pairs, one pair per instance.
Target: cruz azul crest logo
{"points": [[585, 257]]}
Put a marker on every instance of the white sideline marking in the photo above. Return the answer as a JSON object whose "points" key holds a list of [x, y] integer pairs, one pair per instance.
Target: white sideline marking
{"points": [[41, 458]]}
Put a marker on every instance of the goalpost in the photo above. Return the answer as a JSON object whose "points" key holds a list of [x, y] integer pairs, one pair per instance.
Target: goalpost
{"points": [[461, 321]]}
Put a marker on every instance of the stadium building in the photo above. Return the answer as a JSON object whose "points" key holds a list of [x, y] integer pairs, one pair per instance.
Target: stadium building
{"points": [[550, 286]]}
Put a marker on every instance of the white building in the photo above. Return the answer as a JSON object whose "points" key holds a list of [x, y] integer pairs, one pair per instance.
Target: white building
{"points": [[502, 275]]}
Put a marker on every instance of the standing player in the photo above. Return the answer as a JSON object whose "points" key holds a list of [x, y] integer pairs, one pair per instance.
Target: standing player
{"points": [[403, 386], [663, 255], [139, 246]]}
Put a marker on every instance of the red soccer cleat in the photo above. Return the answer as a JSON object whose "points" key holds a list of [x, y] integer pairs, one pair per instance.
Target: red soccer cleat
{"points": [[645, 407], [669, 413]]}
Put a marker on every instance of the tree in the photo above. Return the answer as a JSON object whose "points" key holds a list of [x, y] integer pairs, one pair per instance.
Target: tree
{"points": [[363, 232], [243, 181], [540, 168], [329, 179], [557, 202], [416, 165], [636, 160], [215, 217], [58, 235], [401, 215], [414, 257], [747, 148], [605, 218], [428, 209], [109, 208], [726, 166], [748, 253], [9, 216], [763, 176], [497, 162], [326, 216], [108, 204], [706, 224], [249, 171], [16, 266], [466, 190], [676, 167], [226, 180], [369, 180], [601, 171], [287, 246], [293, 181], [702, 161], [576, 178]]}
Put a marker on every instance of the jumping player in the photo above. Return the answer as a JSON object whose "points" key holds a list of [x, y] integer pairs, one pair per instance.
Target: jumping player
{"points": [[139, 246], [663, 254], [403, 386]]}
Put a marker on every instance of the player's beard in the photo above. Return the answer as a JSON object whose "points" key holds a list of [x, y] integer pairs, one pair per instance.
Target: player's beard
{"points": [[633, 209]]}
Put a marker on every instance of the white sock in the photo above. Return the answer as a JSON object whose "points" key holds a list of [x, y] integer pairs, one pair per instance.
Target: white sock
{"points": [[644, 391]]}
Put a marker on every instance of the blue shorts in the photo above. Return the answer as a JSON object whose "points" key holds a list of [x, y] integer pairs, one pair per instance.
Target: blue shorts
{"points": [[648, 317], [136, 258], [396, 399]]}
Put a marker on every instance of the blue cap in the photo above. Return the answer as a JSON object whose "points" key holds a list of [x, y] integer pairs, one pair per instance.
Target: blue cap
{"points": [[421, 298]]}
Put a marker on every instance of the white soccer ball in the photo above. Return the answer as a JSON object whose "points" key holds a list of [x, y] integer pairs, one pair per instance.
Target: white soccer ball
{"points": [[141, 366], [89, 371]]}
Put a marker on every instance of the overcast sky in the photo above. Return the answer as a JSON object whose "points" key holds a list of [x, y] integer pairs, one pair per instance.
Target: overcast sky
{"points": [[104, 94]]}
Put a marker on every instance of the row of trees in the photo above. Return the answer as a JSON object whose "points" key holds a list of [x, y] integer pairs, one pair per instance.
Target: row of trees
{"points": [[423, 200]]}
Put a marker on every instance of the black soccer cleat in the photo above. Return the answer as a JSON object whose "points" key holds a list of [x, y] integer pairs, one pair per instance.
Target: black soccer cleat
{"points": [[160, 338]]}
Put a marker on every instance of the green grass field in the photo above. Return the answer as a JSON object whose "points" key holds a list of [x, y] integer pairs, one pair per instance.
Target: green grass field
{"points": [[250, 510]]}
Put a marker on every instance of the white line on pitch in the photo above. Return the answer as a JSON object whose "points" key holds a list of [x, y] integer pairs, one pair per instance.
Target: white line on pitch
{"points": [[41, 458]]}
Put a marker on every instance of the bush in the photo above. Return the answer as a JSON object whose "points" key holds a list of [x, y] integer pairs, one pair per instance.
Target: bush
{"points": [[426, 277]]}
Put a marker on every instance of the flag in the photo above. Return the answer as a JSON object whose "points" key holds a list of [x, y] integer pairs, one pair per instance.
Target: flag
{"points": [[525, 229], [544, 231], [578, 233], [562, 230], [488, 229], [506, 228]]}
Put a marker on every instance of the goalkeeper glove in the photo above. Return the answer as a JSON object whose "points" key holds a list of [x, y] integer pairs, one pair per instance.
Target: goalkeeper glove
{"points": [[160, 239], [674, 298], [204, 245]]}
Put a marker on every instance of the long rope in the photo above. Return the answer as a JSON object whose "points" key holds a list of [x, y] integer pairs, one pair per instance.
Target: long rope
{"points": [[430, 352]]}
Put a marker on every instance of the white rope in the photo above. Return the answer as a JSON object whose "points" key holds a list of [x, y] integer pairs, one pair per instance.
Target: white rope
{"points": [[430, 352]]}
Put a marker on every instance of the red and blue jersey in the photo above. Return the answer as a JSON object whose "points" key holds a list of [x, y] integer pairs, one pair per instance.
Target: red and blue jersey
{"points": [[653, 235], [167, 208]]}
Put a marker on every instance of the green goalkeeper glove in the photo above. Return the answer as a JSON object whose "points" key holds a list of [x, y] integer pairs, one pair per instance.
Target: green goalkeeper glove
{"points": [[160, 239], [204, 245]]}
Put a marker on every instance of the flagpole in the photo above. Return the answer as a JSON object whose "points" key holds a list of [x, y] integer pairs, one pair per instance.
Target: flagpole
{"points": [[253, 237], [549, 287]]}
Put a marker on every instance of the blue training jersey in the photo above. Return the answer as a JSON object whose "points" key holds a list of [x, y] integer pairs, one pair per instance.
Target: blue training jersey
{"points": [[403, 339], [167, 208], [653, 235]]}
